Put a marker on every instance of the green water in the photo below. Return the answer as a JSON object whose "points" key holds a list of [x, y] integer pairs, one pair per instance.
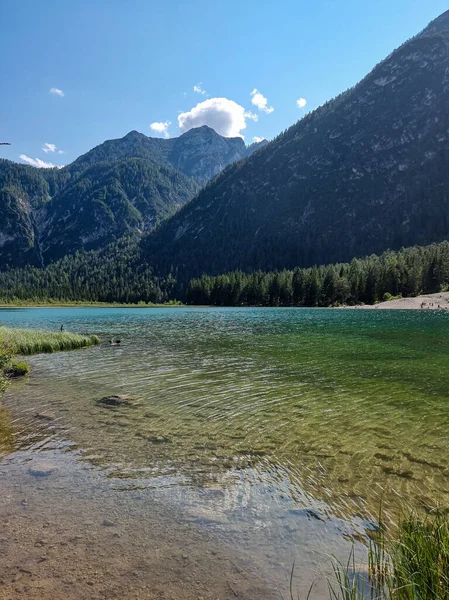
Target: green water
{"points": [[299, 420]]}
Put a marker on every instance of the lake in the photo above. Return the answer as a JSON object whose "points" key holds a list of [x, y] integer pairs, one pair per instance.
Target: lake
{"points": [[259, 438]]}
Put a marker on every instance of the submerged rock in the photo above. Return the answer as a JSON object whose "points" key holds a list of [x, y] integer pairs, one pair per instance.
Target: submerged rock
{"points": [[159, 439], [108, 523], [42, 470], [154, 439], [115, 400], [45, 416]]}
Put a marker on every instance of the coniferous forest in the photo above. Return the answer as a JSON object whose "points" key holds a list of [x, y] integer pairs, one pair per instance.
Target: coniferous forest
{"points": [[116, 274]]}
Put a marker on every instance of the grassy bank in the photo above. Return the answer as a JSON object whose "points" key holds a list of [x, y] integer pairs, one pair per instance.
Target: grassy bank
{"points": [[33, 341], [80, 303]]}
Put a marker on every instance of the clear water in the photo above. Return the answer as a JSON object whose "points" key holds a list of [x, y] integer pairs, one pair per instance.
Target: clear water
{"points": [[279, 430]]}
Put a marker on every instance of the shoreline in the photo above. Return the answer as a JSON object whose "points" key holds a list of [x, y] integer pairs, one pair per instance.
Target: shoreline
{"points": [[86, 305], [437, 301]]}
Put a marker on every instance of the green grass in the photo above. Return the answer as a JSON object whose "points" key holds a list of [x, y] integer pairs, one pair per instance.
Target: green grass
{"points": [[413, 566], [420, 559], [50, 302], [33, 341]]}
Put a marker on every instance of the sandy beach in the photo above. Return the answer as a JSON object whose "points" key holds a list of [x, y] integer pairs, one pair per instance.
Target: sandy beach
{"points": [[439, 301]]}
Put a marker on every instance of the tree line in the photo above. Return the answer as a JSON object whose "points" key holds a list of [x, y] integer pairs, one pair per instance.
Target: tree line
{"points": [[118, 273], [409, 272]]}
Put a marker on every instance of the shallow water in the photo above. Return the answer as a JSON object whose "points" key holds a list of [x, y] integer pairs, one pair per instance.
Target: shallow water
{"points": [[277, 431]]}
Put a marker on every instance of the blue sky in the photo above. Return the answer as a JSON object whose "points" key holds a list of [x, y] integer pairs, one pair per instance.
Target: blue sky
{"points": [[127, 64]]}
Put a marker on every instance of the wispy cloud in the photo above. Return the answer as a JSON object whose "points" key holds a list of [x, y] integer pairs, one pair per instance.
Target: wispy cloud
{"points": [[225, 116], [301, 102], [252, 116], [260, 102], [199, 90], [37, 162], [161, 127], [56, 92], [49, 147]]}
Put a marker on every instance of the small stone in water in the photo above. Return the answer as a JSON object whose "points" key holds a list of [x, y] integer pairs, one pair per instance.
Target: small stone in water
{"points": [[115, 400], [107, 523], [45, 416], [159, 439], [42, 470]]}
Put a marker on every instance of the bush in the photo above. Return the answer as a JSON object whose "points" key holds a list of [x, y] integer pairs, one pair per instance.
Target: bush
{"points": [[387, 297], [17, 369]]}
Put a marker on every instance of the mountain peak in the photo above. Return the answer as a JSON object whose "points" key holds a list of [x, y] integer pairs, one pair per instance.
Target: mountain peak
{"points": [[441, 23], [134, 135], [202, 130]]}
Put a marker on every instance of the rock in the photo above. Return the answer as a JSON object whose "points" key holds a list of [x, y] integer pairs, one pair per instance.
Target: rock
{"points": [[42, 470], [45, 416], [115, 400], [107, 523], [159, 439]]}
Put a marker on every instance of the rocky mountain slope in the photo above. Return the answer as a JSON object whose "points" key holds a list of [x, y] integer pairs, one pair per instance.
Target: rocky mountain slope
{"points": [[366, 172], [121, 187], [200, 153]]}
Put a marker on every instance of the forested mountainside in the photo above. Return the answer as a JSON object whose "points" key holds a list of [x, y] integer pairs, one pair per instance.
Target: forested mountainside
{"points": [[120, 187], [116, 274], [366, 172]]}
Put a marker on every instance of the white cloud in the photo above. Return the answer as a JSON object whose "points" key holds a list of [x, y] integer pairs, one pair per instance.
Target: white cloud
{"points": [[61, 151], [49, 148], [225, 116], [37, 162], [301, 102], [261, 102], [161, 127], [57, 92], [250, 115], [257, 139], [199, 90]]}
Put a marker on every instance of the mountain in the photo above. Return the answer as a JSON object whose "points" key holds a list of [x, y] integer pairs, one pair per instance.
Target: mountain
{"points": [[366, 172], [110, 200], [200, 153], [47, 213], [122, 187]]}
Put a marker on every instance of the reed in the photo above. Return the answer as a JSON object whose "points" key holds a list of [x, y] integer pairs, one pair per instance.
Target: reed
{"points": [[33, 341], [413, 566]]}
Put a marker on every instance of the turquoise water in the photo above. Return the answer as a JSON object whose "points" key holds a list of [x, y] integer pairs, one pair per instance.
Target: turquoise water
{"points": [[279, 429]]}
